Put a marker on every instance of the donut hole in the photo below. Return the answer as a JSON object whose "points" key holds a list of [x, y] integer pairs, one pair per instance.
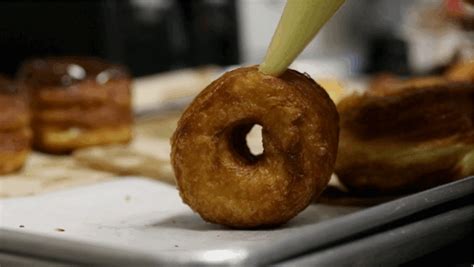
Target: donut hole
{"points": [[241, 136], [254, 140]]}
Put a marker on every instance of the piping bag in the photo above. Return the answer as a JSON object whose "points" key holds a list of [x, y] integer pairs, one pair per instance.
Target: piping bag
{"points": [[300, 22]]}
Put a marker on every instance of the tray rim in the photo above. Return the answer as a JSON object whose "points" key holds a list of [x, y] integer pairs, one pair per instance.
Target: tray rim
{"points": [[306, 241]]}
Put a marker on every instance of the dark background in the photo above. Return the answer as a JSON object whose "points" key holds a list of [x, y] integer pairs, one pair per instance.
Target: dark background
{"points": [[172, 34], [151, 36]]}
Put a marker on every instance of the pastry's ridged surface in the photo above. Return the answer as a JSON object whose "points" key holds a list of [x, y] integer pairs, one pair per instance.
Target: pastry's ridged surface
{"points": [[77, 102], [403, 136], [217, 175], [15, 134]]}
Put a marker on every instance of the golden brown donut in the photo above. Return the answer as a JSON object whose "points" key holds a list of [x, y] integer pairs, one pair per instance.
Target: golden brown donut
{"points": [[15, 133], [218, 176], [77, 102], [407, 136]]}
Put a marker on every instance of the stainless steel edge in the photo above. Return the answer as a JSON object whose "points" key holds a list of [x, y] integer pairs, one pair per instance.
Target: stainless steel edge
{"points": [[25, 245], [396, 246], [308, 239], [321, 234], [20, 261]]}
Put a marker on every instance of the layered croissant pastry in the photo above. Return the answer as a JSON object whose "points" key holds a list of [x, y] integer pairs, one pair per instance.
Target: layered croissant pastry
{"points": [[77, 102], [406, 135], [15, 133]]}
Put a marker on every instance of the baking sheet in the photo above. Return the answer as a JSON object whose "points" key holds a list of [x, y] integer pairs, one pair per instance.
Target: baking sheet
{"points": [[398, 245], [148, 216], [143, 221]]}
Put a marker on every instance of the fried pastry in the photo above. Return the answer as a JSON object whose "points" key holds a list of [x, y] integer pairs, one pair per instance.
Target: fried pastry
{"points": [[77, 102], [404, 136], [218, 176], [15, 133]]}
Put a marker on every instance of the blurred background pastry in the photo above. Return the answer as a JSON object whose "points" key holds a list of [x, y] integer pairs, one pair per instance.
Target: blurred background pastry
{"points": [[462, 71], [406, 135], [77, 102], [15, 132]]}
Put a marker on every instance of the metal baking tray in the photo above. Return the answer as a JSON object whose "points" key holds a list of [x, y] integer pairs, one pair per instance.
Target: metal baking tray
{"points": [[142, 222]]}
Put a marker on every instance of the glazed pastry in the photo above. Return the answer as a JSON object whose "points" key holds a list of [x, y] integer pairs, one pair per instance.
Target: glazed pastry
{"points": [[15, 133], [404, 136], [77, 102], [221, 179]]}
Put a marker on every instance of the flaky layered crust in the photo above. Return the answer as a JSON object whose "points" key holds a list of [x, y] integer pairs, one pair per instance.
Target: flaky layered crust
{"points": [[83, 117], [406, 135], [86, 93], [11, 161], [13, 112], [14, 148], [15, 134], [15, 140], [60, 140], [219, 177], [77, 102]]}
